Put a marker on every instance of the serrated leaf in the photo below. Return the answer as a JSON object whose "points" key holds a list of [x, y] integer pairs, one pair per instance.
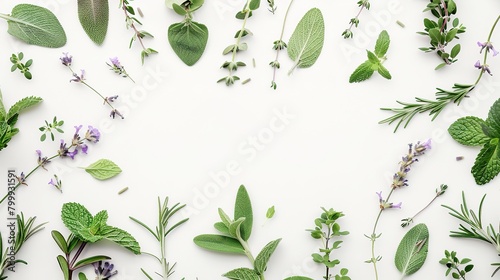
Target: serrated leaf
{"points": [[263, 257], [493, 120], [487, 164], [412, 250], [76, 218], [22, 105], [94, 18], [188, 40], [242, 274], [307, 40], [362, 73], [372, 57], [103, 169], [298, 278], [3, 113], [382, 44], [120, 237], [36, 25], [98, 221], [468, 131], [219, 243], [384, 72], [243, 208]]}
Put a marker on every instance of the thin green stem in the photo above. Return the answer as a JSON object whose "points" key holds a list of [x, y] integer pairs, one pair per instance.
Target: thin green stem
{"points": [[485, 57], [281, 37], [240, 34]]}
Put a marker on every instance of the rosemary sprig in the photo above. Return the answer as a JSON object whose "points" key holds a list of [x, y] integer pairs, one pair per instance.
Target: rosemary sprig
{"points": [[443, 97], [354, 22]]}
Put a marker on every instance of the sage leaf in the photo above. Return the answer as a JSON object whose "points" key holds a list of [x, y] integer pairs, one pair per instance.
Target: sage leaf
{"points": [[219, 243], [35, 25], [243, 208], [263, 257], [382, 44], [487, 163], [412, 250], [242, 274], [188, 40], [298, 278], [103, 169], [222, 228], [468, 131], [94, 18], [120, 237], [235, 228], [307, 40], [76, 218], [362, 73]]}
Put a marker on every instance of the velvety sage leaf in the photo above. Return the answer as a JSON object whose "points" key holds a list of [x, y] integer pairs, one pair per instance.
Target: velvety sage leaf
{"points": [[63, 264], [222, 228], [23, 104], [493, 120], [188, 40], [178, 9], [254, 4], [94, 18], [412, 250], [298, 278], [235, 227], [384, 72], [307, 40], [60, 241], [382, 44], [468, 131], [219, 243], [362, 73], [242, 274], [263, 257], [103, 169], [35, 25], [243, 208], [90, 260], [120, 237], [76, 218], [487, 163]]}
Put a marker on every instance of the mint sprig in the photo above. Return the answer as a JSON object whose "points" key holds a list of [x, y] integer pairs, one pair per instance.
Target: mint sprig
{"points": [[473, 131], [374, 63]]}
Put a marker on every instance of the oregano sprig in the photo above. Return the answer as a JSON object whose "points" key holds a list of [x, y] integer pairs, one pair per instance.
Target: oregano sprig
{"points": [[232, 66], [354, 22], [139, 35], [50, 128], [272, 6], [453, 263], [18, 64], [444, 97], [374, 62], [279, 45], [439, 32], [412, 250]]}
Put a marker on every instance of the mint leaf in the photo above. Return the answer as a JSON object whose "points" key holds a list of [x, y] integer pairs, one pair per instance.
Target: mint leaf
{"points": [[35, 25], [362, 73], [493, 120], [412, 250], [188, 40], [23, 104], [307, 40], [243, 209], [468, 131], [487, 164], [103, 169], [3, 113], [120, 237], [99, 221], [242, 274], [263, 257], [384, 72], [76, 218], [382, 44], [94, 17], [372, 57]]}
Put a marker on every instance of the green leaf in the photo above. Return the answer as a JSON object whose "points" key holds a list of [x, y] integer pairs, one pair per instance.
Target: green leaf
{"points": [[270, 212], [362, 73], [243, 208], [468, 131], [98, 221], [441, 65], [94, 17], [382, 44], [372, 57], [263, 257], [455, 50], [90, 260], [487, 164], [493, 120], [82, 276], [219, 243], [22, 105], [63, 264], [60, 241], [222, 228], [103, 169], [188, 40], [307, 40], [384, 72], [298, 278], [120, 237], [242, 274], [235, 228], [412, 250], [435, 35], [76, 218], [178, 9], [35, 25], [254, 4], [3, 113]]}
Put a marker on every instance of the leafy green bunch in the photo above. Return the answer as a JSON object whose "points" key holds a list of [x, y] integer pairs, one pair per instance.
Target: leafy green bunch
{"points": [[188, 38], [233, 238], [473, 131], [87, 229], [374, 62], [50, 127], [439, 33], [18, 64], [453, 264]]}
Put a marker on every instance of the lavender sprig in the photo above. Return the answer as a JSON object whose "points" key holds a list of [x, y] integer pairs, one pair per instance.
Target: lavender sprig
{"points": [[354, 22], [442, 189], [67, 60], [399, 180], [118, 68]]}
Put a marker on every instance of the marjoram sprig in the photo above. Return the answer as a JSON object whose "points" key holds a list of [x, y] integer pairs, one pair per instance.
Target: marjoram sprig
{"points": [[439, 192], [354, 22], [279, 45], [453, 264]]}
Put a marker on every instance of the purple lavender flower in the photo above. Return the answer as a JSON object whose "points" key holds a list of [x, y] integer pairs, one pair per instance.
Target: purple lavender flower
{"points": [[55, 182], [66, 59], [92, 134], [483, 68], [420, 148], [42, 161], [118, 68], [104, 272], [111, 98], [78, 79], [115, 62], [488, 46], [399, 178], [384, 204], [21, 179], [114, 113]]}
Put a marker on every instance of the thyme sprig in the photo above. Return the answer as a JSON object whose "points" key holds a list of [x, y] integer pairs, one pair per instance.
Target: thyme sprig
{"points": [[278, 46], [444, 97], [354, 22], [407, 221]]}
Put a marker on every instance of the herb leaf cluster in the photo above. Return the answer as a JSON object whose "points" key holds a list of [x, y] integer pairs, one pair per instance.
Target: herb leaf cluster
{"points": [[23, 67], [374, 62]]}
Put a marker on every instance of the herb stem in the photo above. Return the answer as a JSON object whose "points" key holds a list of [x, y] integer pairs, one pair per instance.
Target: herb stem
{"points": [[240, 35], [128, 19], [77, 254], [281, 38], [357, 16], [327, 273], [446, 17], [485, 58]]}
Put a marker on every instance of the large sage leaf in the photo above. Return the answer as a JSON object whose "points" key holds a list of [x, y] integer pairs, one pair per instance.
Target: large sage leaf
{"points": [[243, 208], [94, 17], [103, 169], [35, 25], [263, 257], [219, 243], [412, 250], [188, 40], [242, 273], [307, 40]]}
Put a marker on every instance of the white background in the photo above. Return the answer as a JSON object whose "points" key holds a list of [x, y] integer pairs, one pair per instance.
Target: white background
{"points": [[185, 127]]}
